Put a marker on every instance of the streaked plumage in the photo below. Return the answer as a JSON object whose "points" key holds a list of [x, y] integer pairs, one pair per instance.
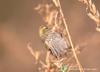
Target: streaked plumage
{"points": [[54, 41]]}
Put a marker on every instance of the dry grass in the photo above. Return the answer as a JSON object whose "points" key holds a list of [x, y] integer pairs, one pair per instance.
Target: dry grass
{"points": [[53, 16], [92, 12]]}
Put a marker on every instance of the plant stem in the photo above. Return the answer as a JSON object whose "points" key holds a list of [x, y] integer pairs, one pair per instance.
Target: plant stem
{"points": [[69, 37]]}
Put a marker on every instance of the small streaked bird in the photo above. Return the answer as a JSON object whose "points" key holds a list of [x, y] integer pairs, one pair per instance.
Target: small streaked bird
{"points": [[54, 41]]}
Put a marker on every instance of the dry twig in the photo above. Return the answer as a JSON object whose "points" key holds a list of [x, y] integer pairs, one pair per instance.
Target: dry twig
{"points": [[69, 36], [92, 12]]}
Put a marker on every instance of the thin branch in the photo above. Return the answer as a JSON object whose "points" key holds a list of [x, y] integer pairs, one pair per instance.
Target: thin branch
{"points": [[69, 36], [92, 12]]}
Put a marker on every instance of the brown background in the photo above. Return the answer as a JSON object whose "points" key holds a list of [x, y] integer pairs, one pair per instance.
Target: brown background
{"points": [[19, 24]]}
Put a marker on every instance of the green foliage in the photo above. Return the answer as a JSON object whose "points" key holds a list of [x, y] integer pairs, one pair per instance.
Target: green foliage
{"points": [[64, 68]]}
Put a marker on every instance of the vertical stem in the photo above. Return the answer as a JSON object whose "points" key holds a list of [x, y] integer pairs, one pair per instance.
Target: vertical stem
{"points": [[70, 40]]}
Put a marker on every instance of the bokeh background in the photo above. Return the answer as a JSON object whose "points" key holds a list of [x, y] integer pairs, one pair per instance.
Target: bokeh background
{"points": [[19, 25]]}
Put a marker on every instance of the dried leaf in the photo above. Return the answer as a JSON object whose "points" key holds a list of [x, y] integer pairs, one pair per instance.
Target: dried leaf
{"points": [[92, 17]]}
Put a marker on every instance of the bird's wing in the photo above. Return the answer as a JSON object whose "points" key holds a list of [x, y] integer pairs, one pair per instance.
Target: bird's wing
{"points": [[56, 43]]}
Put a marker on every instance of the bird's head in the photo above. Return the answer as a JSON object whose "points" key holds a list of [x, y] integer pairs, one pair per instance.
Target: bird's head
{"points": [[43, 31]]}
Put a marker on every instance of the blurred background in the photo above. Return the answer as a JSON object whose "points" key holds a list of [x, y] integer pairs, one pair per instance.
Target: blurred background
{"points": [[19, 25]]}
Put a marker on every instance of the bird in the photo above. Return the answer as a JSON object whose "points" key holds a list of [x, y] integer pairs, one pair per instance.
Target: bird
{"points": [[54, 41]]}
